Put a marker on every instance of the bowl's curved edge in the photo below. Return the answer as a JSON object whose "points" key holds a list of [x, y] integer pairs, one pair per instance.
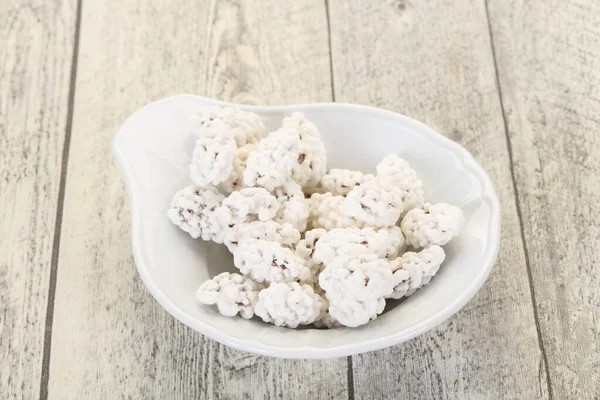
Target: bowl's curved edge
{"points": [[307, 352]]}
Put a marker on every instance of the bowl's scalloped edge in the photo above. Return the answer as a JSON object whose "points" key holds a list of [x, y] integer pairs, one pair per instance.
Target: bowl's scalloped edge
{"points": [[303, 352]]}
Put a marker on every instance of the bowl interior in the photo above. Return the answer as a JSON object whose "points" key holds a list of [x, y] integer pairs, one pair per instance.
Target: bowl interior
{"points": [[154, 148]]}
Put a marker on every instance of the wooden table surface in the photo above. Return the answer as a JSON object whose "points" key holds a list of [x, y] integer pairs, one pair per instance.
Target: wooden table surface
{"points": [[515, 82]]}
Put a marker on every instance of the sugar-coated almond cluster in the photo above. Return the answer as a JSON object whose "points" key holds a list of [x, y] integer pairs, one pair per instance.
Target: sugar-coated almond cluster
{"points": [[312, 246]]}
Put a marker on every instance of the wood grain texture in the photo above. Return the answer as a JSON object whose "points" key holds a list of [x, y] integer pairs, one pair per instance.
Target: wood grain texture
{"points": [[548, 58], [36, 43], [433, 61], [110, 338]]}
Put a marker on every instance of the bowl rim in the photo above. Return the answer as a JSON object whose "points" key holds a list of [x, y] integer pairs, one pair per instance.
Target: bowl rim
{"points": [[310, 352]]}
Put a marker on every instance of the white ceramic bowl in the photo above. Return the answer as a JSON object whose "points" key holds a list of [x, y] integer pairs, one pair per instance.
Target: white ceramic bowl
{"points": [[153, 149]]}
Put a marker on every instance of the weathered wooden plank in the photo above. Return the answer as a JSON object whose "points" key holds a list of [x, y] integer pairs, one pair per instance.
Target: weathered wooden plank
{"points": [[433, 61], [36, 44], [548, 57], [110, 337]]}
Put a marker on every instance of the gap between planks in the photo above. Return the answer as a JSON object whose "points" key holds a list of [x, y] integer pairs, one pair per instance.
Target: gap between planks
{"points": [[349, 358], [518, 206], [45, 376]]}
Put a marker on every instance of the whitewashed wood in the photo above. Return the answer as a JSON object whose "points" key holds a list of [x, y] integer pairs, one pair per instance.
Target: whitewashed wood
{"points": [[36, 43], [111, 339], [432, 60], [549, 67]]}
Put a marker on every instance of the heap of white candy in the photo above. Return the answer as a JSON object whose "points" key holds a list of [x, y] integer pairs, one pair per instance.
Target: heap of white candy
{"points": [[312, 247]]}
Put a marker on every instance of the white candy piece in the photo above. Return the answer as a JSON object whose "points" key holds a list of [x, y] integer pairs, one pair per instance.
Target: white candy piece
{"points": [[295, 151], [192, 209], [405, 179], [271, 165], [247, 205], [412, 270], [355, 287], [330, 214], [289, 304], [268, 261], [236, 178], [435, 224], [284, 234], [340, 182], [212, 160], [232, 293], [311, 164], [231, 122], [375, 202], [293, 207], [351, 241]]}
